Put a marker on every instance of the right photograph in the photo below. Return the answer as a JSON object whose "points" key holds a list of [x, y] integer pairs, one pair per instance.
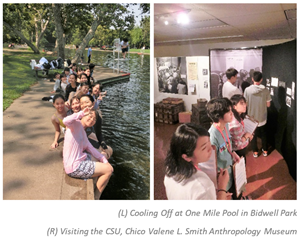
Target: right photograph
{"points": [[225, 101]]}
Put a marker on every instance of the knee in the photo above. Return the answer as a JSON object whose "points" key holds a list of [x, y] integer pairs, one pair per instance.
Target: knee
{"points": [[110, 169]]}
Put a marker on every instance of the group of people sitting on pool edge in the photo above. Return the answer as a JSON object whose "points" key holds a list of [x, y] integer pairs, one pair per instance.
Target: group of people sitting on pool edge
{"points": [[191, 145], [77, 99]]}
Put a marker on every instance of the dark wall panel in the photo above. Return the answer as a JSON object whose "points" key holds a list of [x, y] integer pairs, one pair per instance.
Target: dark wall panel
{"points": [[280, 61]]}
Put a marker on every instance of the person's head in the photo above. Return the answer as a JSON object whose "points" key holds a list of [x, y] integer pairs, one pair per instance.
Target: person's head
{"points": [[190, 145], [79, 71], [91, 66], [83, 78], [63, 78], [239, 106], [75, 104], [125, 40], [77, 47], [84, 87], [74, 66], [96, 89], [57, 75], [87, 71], [219, 109], [231, 74], [72, 78], [59, 102], [257, 77], [89, 120], [86, 101], [66, 71]]}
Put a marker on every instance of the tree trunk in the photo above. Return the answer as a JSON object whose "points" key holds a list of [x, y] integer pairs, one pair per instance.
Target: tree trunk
{"points": [[59, 30], [41, 35], [86, 40], [18, 33], [36, 32]]}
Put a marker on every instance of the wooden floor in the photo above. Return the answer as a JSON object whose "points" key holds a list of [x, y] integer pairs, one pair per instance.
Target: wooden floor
{"points": [[268, 177]]}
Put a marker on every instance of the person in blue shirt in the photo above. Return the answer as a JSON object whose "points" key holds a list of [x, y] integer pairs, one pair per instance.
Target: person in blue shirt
{"points": [[89, 54]]}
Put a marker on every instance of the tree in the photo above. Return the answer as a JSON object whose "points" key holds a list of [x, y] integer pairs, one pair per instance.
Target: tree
{"points": [[136, 36], [59, 30], [146, 31], [16, 18], [41, 15], [105, 15]]}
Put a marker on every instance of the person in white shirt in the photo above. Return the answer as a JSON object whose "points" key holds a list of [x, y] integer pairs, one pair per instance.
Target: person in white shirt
{"points": [[189, 146], [124, 47], [229, 89]]}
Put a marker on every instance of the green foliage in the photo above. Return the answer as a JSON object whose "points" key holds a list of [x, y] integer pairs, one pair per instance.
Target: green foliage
{"points": [[17, 75], [136, 35]]}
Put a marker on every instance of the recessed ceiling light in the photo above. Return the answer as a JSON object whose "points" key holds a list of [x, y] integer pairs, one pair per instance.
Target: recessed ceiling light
{"points": [[166, 23], [182, 18]]}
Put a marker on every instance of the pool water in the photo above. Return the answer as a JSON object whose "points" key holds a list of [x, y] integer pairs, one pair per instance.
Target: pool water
{"points": [[126, 126]]}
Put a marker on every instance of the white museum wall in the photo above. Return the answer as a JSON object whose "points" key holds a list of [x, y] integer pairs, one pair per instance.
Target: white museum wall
{"points": [[200, 92]]}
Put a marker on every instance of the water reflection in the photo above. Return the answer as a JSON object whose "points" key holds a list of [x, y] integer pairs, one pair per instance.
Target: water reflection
{"points": [[126, 124]]}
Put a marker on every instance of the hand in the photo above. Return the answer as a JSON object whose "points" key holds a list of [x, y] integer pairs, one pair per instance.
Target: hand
{"points": [[86, 111], [101, 97], [223, 179], [248, 135], [54, 145], [228, 196], [236, 158], [67, 104]]}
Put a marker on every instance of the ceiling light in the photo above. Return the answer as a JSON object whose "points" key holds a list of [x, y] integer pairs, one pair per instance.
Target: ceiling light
{"points": [[166, 23], [182, 18]]}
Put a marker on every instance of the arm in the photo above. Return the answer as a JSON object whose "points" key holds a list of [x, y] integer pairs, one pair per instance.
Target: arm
{"points": [[99, 99], [57, 132], [223, 179], [99, 156], [69, 120], [269, 104]]}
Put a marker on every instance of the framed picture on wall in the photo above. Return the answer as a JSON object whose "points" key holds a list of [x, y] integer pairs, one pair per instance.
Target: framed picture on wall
{"points": [[172, 75]]}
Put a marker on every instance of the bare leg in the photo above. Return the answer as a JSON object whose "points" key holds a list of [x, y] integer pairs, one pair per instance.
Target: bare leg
{"points": [[104, 171]]}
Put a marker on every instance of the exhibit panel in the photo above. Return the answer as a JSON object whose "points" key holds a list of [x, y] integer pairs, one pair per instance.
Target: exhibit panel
{"points": [[245, 61]]}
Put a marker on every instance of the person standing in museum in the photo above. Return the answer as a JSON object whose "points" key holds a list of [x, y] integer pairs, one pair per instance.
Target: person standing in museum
{"points": [[229, 89], [258, 99]]}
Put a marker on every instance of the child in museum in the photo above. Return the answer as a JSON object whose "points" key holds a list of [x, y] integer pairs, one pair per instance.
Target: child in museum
{"points": [[220, 112], [240, 138], [229, 89], [258, 99], [190, 145]]}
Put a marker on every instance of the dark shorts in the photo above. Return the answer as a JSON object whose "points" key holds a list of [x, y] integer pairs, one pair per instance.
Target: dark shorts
{"points": [[125, 50], [85, 169]]}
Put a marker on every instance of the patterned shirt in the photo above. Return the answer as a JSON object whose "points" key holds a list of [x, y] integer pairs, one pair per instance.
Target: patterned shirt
{"points": [[237, 130]]}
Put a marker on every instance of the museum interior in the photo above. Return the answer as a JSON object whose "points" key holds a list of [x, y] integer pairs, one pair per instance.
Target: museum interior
{"points": [[194, 45]]}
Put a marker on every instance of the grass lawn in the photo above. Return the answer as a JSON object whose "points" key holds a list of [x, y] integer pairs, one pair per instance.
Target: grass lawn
{"points": [[17, 74], [140, 51]]}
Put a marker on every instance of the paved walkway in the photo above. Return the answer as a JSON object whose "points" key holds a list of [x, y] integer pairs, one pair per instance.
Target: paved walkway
{"points": [[31, 169]]}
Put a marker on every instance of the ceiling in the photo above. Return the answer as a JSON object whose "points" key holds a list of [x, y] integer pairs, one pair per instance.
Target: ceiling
{"points": [[214, 23]]}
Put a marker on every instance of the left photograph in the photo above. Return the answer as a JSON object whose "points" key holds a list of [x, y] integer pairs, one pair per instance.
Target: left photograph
{"points": [[76, 101]]}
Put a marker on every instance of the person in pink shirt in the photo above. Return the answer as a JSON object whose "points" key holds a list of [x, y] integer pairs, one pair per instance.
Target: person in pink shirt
{"points": [[240, 138], [77, 162]]}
